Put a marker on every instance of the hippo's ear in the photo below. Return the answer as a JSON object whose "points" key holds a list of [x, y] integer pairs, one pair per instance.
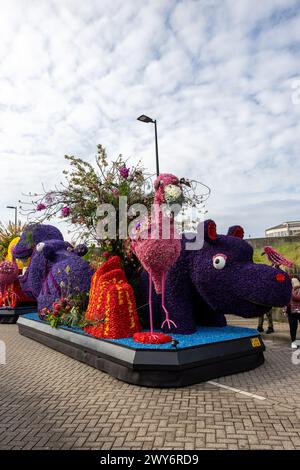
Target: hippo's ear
{"points": [[81, 249], [210, 231], [236, 231]]}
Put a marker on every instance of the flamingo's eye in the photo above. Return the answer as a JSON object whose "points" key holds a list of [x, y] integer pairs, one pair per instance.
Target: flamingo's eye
{"points": [[219, 261]]}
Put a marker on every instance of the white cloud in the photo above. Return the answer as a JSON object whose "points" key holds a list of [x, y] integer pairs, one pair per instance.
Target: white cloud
{"points": [[217, 76]]}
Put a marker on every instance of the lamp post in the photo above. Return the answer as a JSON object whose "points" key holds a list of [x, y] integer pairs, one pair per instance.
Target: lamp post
{"points": [[144, 118], [16, 214]]}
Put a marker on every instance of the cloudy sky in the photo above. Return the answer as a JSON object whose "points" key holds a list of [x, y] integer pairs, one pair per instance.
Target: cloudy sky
{"points": [[217, 75]]}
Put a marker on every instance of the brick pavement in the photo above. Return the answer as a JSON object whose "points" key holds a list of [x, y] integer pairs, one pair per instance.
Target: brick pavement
{"points": [[50, 401]]}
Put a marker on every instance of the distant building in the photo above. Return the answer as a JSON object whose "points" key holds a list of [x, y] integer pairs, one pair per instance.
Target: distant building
{"points": [[285, 229]]}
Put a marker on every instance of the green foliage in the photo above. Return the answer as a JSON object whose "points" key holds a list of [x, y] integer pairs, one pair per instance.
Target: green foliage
{"points": [[68, 311], [86, 187], [7, 234], [29, 237]]}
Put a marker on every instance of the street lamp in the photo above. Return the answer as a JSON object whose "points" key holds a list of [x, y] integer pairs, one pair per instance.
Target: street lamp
{"points": [[144, 118], [16, 214]]}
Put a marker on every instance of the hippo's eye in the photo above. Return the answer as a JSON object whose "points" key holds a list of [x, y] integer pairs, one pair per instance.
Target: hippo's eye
{"points": [[40, 246], [219, 261]]}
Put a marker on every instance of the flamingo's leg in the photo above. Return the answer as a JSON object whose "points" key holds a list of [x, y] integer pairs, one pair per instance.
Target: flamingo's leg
{"points": [[167, 320], [150, 302]]}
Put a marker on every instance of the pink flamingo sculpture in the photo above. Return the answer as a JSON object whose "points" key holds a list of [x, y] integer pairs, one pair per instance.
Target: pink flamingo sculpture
{"points": [[158, 253], [8, 274], [276, 258]]}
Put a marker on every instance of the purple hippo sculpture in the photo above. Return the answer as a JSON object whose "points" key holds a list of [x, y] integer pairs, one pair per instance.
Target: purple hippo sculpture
{"points": [[220, 278], [56, 268]]}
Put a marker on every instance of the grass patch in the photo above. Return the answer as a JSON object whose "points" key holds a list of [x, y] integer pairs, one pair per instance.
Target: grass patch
{"points": [[290, 250]]}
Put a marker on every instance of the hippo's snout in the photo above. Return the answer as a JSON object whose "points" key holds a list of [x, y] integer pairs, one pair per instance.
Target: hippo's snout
{"points": [[273, 289], [281, 289]]}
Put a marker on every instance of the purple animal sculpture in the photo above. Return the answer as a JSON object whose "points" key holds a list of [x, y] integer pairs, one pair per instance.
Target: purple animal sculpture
{"points": [[31, 236], [220, 278], [56, 269]]}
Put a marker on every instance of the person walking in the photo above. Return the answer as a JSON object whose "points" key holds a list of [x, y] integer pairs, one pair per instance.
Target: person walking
{"points": [[293, 311], [261, 319]]}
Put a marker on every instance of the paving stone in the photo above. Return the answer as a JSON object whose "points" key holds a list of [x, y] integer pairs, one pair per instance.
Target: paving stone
{"points": [[50, 401]]}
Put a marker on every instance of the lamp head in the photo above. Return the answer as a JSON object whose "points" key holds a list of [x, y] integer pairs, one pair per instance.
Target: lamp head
{"points": [[144, 118]]}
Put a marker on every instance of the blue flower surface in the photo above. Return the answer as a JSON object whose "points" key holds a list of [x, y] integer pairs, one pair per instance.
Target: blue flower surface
{"points": [[203, 336]]}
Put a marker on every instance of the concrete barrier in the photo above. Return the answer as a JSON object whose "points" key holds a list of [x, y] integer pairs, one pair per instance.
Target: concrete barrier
{"points": [[273, 241]]}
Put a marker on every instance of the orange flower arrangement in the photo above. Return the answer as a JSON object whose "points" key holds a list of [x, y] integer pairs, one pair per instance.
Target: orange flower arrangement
{"points": [[112, 304]]}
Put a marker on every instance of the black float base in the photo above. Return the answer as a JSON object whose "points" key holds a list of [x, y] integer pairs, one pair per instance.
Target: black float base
{"points": [[151, 367], [11, 315]]}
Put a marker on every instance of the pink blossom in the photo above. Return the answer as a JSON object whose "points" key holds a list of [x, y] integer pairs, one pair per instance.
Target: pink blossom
{"points": [[40, 207], [65, 212], [115, 192], [124, 171]]}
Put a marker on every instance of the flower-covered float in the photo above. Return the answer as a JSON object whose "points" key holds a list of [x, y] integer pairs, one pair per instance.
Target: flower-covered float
{"points": [[146, 308], [13, 300]]}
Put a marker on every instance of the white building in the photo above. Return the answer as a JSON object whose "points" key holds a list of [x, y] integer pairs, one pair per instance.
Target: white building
{"points": [[284, 230]]}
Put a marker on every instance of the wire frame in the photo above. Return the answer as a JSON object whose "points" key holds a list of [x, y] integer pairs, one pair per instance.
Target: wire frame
{"points": [[193, 210]]}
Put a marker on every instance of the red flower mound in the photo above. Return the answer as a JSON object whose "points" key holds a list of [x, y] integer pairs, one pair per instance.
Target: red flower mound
{"points": [[112, 303], [151, 338], [11, 294]]}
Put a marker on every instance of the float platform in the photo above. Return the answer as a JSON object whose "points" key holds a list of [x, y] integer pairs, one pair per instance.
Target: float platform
{"points": [[11, 315], [207, 354]]}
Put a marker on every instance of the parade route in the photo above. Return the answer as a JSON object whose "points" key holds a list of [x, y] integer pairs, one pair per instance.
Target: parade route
{"points": [[50, 401]]}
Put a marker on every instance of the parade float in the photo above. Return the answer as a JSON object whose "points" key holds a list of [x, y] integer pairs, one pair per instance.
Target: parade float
{"points": [[142, 307], [13, 301]]}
